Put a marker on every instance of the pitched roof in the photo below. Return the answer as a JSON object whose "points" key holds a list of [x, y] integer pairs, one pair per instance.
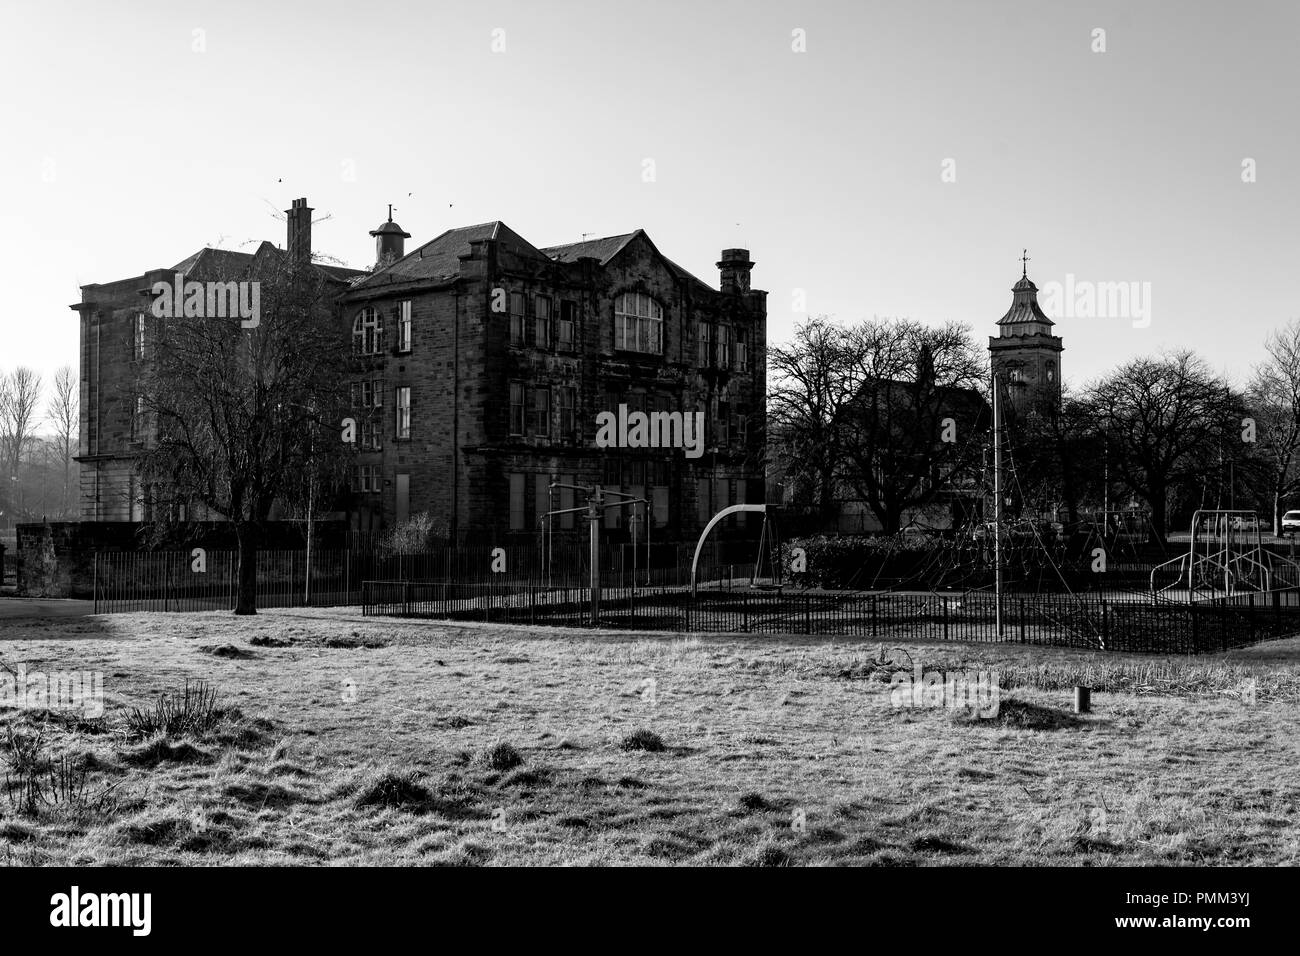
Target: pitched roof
{"points": [[440, 257], [607, 248], [222, 263]]}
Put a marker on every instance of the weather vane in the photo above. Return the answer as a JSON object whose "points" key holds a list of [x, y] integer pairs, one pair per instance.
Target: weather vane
{"points": [[1024, 259]]}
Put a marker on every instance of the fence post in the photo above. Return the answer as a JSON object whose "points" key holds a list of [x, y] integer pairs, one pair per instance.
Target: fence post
{"points": [[807, 614], [873, 615], [95, 585], [944, 603], [1196, 643], [1105, 625], [406, 599]]}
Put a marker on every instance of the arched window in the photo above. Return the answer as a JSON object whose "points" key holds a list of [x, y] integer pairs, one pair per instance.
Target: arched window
{"points": [[367, 333], [638, 324], [1051, 372]]}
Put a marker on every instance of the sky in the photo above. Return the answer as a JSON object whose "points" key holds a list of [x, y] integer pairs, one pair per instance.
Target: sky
{"points": [[886, 159]]}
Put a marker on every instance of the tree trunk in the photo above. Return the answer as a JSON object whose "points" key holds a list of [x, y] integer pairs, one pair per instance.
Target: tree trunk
{"points": [[246, 593]]}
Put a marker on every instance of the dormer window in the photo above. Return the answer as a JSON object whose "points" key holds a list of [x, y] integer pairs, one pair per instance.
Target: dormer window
{"points": [[638, 324]]}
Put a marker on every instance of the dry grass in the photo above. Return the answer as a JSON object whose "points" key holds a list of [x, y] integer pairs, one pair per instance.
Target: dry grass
{"points": [[362, 741]]}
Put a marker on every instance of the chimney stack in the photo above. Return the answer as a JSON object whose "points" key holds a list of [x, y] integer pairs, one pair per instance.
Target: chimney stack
{"points": [[299, 239], [735, 267]]}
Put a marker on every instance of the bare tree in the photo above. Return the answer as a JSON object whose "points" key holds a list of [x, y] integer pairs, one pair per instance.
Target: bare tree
{"points": [[20, 396], [810, 388], [1274, 396], [238, 419], [1166, 418], [63, 413], [887, 411], [913, 430]]}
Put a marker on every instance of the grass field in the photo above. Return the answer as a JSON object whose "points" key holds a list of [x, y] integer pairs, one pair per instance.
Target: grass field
{"points": [[369, 741]]}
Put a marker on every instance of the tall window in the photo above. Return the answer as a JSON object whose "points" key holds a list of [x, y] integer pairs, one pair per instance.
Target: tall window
{"points": [[568, 323], [724, 346], [139, 335], [540, 412], [568, 411], [517, 521], [404, 326], [516, 408], [638, 324], [706, 345], [518, 310], [404, 411], [566, 501], [542, 322], [742, 352], [367, 333]]}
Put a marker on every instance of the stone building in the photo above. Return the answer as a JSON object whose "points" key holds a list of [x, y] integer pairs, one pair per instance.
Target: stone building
{"points": [[482, 365], [486, 362], [113, 348]]}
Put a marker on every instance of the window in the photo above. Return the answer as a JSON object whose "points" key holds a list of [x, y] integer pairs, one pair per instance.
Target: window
{"points": [[367, 333], [568, 323], [139, 335], [706, 345], [404, 326], [540, 412], [568, 412], [516, 408], [371, 437], [368, 480], [722, 423], [541, 499], [404, 411], [518, 309], [542, 322], [137, 420], [566, 501], [742, 352], [517, 502], [638, 324], [724, 346], [1051, 372], [372, 393]]}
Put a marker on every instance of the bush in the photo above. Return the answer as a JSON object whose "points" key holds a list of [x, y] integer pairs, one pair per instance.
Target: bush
{"points": [[421, 532], [835, 562], [646, 740], [502, 757]]}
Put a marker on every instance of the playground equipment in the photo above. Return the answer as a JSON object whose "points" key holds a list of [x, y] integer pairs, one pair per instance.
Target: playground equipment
{"points": [[768, 543], [1226, 556], [595, 512]]}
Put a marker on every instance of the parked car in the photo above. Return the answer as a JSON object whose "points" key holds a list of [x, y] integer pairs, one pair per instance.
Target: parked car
{"points": [[1291, 522]]}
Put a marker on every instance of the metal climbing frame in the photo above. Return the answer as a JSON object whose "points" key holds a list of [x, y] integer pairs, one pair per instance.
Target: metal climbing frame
{"points": [[1226, 556]]}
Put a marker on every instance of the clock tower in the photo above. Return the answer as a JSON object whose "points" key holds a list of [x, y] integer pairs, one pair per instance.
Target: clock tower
{"points": [[1025, 355]]}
